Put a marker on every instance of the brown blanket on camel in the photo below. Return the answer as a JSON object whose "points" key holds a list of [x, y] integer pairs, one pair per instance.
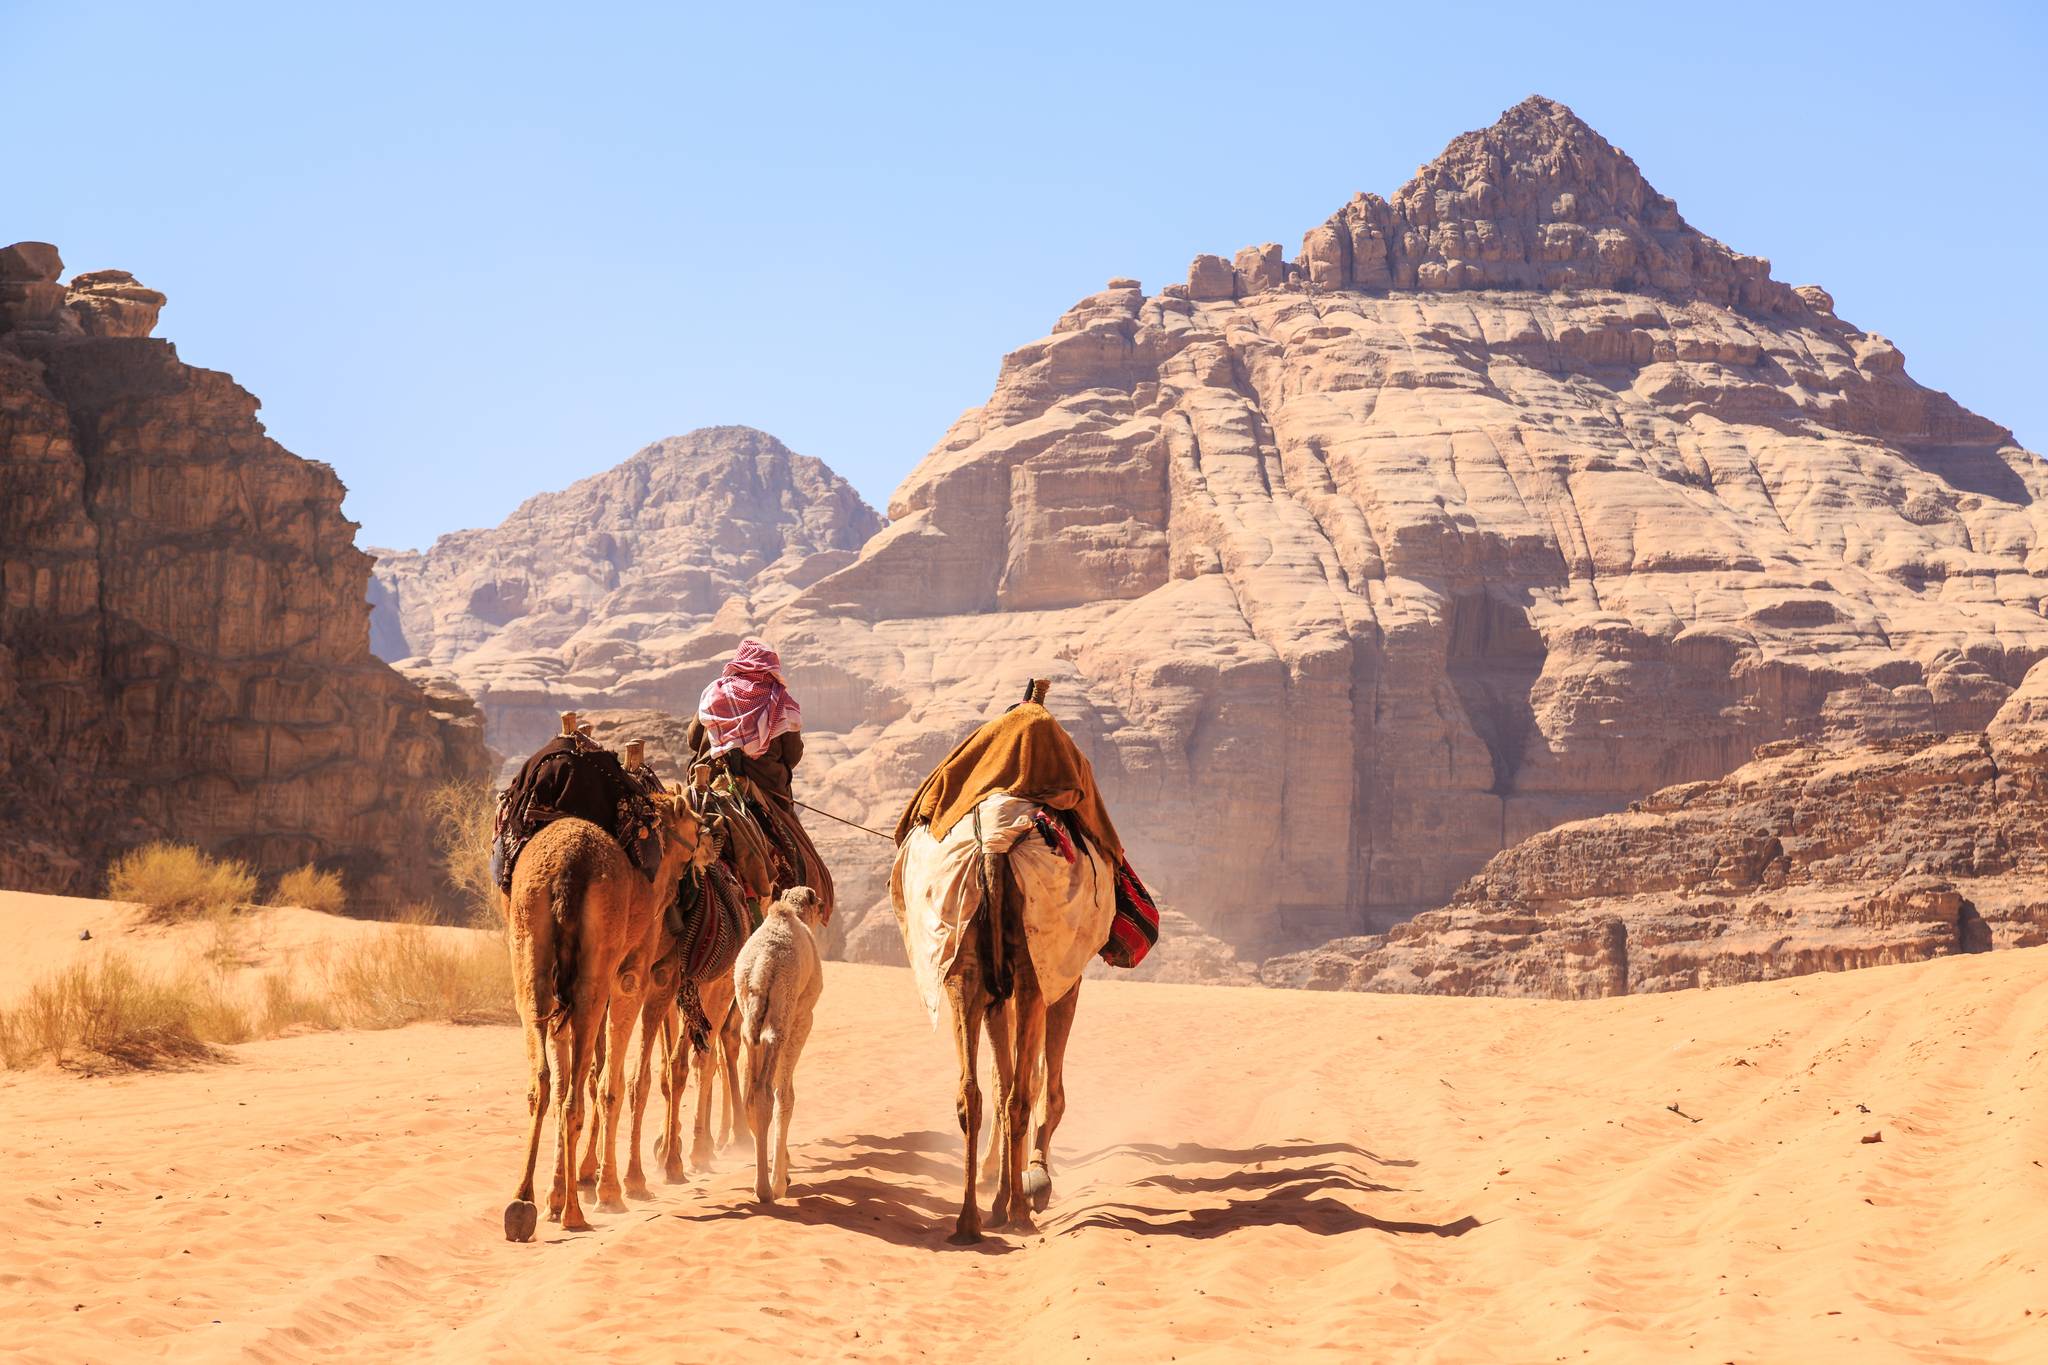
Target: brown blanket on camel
{"points": [[573, 777], [1026, 753]]}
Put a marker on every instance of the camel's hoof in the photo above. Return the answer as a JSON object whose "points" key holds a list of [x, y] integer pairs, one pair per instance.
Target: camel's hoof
{"points": [[675, 1175], [965, 1237], [611, 1203], [637, 1189], [520, 1219], [1038, 1186], [579, 1224], [586, 1183], [763, 1195]]}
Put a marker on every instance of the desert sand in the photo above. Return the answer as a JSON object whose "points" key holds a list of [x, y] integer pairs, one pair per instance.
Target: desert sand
{"points": [[1241, 1173]]}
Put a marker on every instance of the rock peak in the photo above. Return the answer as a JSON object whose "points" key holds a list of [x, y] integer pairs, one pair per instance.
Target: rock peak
{"points": [[1537, 200], [1535, 152], [99, 303]]}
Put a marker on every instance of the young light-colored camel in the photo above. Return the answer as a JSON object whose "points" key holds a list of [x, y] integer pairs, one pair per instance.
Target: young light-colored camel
{"points": [[584, 928], [776, 982]]}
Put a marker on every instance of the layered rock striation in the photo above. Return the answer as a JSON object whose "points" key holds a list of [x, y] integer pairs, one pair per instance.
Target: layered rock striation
{"points": [[1813, 857], [183, 643], [627, 589], [1506, 501]]}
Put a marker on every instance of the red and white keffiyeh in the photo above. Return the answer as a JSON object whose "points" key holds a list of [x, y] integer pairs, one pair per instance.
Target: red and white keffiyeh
{"points": [[748, 705]]}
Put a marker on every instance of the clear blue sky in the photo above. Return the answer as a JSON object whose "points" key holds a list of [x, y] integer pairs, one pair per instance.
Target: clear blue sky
{"points": [[464, 254]]}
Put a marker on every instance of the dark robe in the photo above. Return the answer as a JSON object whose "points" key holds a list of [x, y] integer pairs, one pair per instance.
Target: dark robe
{"points": [[772, 776], [574, 777]]}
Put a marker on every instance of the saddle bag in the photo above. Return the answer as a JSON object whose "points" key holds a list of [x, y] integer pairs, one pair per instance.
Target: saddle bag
{"points": [[1135, 927]]}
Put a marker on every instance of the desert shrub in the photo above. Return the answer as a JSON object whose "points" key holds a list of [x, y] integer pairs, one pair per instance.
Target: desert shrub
{"points": [[464, 814], [409, 973], [287, 1009], [177, 881], [109, 1011], [308, 886]]}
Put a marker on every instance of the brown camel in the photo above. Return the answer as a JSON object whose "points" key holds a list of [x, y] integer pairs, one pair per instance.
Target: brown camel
{"points": [[585, 929], [748, 856], [1028, 1040], [1039, 917]]}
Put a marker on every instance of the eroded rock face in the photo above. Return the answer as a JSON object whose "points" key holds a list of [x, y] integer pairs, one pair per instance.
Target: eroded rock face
{"points": [[1813, 857], [183, 651], [627, 589], [1512, 499]]}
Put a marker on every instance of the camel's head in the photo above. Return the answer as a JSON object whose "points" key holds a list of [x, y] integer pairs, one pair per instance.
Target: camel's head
{"points": [[703, 823], [806, 904], [682, 831]]}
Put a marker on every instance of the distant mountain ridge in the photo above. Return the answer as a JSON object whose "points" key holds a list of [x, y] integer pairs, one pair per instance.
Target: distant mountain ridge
{"points": [[624, 588], [1507, 500]]}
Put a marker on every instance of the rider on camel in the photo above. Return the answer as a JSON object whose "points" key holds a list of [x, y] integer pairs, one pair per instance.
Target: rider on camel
{"points": [[748, 724]]}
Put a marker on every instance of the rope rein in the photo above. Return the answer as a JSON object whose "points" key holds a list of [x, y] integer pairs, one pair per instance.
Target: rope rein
{"points": [[843, 820]]}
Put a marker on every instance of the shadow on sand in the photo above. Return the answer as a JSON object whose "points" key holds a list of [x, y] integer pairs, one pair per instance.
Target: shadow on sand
{"points": [[904, 1190]]}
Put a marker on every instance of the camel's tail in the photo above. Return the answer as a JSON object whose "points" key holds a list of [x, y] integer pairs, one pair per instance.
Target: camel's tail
{"points": [[761, 1039], [564, 901]]}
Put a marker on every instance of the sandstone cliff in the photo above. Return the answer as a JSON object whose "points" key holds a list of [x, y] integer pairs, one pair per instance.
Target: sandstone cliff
{"points": [[627, 589], [1506, 501], [183, 644], [1814, 857]]}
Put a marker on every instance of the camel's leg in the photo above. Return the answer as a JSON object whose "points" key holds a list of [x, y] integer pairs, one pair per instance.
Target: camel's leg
{"points": [[521, 1216], [964, 993], [1029, 1021], [1002, 1046], [791, 1049], [1052, 1096], [650, 1023], [675, 1074], [704, 1066], [574, 1046], [586, 1173], [729, 1052], [759, 1100], [618, 1024]]}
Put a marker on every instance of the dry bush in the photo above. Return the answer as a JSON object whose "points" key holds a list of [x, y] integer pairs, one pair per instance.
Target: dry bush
{"points": [[287, 1009], [177, 881], [464, 816], [311, 888], [409, 973], [109, 1012]]}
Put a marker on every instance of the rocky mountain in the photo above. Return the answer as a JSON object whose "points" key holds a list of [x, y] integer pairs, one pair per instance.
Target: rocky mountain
{"points": [[626, 589], [1502, 503], [183, 643], [1813, 857]]}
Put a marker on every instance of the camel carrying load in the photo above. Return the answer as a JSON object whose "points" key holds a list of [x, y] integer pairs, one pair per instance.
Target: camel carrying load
{"points": [[1008, 877]]}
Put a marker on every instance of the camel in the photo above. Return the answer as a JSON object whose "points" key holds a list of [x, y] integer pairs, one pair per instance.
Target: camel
{"points": [[747, 855], [777, 980], [1040, 914], [750, 857], [585, 929]]}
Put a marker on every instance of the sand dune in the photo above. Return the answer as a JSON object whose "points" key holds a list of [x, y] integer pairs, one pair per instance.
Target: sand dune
{"points": [[1242, 1173]]}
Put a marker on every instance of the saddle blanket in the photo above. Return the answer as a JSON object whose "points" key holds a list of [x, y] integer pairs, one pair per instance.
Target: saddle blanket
{"points": [[935, 887]]}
